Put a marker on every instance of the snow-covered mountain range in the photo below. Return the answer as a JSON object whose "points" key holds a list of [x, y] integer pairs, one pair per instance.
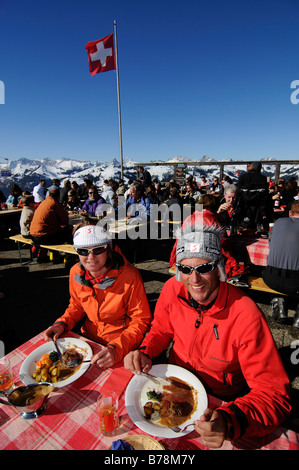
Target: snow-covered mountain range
{"points": [[26, 172]]}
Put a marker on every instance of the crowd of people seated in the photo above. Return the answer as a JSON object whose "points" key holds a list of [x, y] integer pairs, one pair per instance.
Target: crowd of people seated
{"points": [[250, 202], [246, 206], [240, 362]]}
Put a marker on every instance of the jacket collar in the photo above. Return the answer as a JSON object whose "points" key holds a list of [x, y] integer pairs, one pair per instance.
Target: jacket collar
{"points": [[211, 309], [107, 281]]}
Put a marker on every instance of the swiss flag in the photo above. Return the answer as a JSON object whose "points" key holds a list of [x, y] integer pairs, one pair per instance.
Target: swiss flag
{"points": [[101, 55]]}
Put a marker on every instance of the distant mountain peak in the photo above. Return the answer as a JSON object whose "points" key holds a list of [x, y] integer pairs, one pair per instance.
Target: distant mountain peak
{"points": [[26, 172]]}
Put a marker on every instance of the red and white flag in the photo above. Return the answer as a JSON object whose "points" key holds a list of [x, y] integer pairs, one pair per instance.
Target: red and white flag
{"points": [[101, 55]]}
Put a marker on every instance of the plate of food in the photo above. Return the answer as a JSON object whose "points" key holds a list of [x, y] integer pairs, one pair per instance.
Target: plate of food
{"points": [[42, 365], [178, 401]]}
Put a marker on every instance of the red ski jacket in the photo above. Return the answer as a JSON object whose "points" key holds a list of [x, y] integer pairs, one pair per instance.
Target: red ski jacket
{"points": [[230, 348]]}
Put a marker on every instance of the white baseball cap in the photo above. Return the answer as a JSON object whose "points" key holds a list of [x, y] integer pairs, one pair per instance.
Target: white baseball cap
{"points": [[91, 235]]}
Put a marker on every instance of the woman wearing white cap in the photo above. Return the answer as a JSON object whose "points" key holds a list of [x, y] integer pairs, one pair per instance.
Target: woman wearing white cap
{"points": [[107, 292]]}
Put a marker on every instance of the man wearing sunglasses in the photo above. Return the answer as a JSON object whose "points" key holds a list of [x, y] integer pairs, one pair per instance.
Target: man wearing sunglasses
{"points": [[218, 333], [107, 295]]}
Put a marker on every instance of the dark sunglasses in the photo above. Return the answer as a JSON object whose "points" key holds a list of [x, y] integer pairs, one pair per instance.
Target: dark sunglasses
{"points": [[200, 269], [98, 250]]}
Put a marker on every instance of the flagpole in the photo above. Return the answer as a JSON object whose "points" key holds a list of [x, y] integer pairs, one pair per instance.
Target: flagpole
{"points": [[118, 99]]}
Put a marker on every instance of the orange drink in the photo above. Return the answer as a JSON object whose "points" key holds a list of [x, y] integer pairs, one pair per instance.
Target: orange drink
{"points": [[6, 377], [108, 413]]}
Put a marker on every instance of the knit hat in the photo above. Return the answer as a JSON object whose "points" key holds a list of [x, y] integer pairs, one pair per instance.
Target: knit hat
{"points": [[200, 241], [91, 235]]}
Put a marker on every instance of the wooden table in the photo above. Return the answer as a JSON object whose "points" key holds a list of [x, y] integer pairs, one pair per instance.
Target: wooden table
{"points": [[253, 250], [71, 422], [15, 210]]}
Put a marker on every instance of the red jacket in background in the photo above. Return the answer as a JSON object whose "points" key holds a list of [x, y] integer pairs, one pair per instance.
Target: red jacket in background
{"points": [[231, 266]]}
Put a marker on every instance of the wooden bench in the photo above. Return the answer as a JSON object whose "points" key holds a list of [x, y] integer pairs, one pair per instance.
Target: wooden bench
{"points": [[64, 248], [256, 283]]}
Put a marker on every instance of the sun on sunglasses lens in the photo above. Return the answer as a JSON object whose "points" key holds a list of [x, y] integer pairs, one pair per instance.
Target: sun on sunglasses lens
{"points": [[200, 269], [95, 251]]}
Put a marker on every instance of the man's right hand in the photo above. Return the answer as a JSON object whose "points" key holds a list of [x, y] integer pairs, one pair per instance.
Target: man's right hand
{"points": [[136, 362]]}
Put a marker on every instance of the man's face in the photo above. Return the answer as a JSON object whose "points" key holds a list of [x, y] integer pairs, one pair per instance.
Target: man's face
{"points": [[132, 191], [202, 287], [230, 198], [135, 194]]}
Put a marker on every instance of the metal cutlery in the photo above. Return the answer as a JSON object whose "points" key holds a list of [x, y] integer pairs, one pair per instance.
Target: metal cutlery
{"points": [[178, 429], [155, 379]]}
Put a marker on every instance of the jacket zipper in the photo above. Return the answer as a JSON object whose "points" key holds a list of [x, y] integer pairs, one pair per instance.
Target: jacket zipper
{"points": [[215, 331], [197, 321]]}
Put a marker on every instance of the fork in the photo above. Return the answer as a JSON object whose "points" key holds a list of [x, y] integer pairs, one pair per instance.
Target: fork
{"points": [[57, 349], [178, 429]]}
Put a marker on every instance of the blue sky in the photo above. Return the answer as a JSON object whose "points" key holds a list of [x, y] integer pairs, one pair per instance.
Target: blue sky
{"points": [[196, 78]]}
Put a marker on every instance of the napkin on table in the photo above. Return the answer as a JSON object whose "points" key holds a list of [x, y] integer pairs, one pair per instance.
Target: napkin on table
{"points": [[121, 445]]}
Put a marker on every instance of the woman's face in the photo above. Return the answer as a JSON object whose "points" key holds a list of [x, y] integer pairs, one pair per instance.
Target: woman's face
{"points": [[92, 193], [95, 264]]}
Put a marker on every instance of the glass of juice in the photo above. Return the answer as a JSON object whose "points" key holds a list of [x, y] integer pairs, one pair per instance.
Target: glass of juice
{"points": [[6, 377], [108, 413]]}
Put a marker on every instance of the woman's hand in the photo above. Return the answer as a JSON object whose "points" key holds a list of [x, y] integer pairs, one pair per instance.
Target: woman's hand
{"points": [[53, 332]]}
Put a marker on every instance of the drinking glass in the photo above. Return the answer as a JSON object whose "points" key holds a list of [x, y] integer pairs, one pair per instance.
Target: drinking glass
{"points": [[271, 226], [108, 413], [6, 377]]}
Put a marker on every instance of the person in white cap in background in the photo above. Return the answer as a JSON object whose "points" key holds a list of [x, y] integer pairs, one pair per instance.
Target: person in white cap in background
{"points": [[107, 294], [220, 335]]}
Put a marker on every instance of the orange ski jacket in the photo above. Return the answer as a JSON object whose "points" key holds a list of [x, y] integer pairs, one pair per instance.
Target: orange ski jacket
{"points": [[48, 217], [117, 310]]}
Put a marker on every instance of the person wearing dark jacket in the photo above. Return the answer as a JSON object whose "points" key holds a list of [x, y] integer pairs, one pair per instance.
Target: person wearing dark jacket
{"points": [[64, 192], [282, 271], [254, 196], [144, 177], [174, 198]]}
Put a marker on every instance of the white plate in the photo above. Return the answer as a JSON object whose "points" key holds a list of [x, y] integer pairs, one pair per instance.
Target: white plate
{"points": [[29, 364], [136, 392]]}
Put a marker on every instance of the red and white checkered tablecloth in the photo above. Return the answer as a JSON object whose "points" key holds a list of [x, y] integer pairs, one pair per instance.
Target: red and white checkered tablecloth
{"points": [[254, 250], [71, 420]]}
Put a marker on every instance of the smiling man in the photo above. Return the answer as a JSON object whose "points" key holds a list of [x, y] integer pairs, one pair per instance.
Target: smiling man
{"points": [[221, 336]]}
